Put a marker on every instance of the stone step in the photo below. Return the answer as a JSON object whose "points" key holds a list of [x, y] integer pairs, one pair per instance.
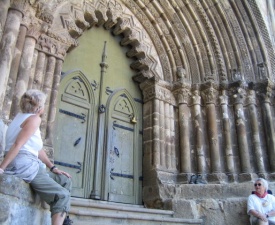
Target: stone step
{"points": [[93, 212]]}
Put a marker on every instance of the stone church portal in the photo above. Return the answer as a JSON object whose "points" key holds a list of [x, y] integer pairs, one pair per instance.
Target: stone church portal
{"points": [[144, 96]]}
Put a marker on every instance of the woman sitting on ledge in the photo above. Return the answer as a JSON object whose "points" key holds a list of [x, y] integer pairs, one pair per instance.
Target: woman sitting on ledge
{"points": [[261, 205], [24, 153]]}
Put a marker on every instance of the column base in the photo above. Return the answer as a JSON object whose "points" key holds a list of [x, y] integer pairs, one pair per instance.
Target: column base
{"points": [[217, 178], [270, 177], [244, 177], [184, 178]]}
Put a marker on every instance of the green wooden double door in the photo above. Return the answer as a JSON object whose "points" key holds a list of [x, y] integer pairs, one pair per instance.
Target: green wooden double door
{"points": [[98, 138], [98, 133]]}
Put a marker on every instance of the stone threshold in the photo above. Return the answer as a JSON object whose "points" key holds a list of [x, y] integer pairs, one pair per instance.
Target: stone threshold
{"points": [[86, 209]]}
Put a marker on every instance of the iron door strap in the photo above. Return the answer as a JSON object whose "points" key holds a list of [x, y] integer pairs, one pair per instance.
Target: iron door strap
{"points": [[81, 117], [69, 165], [112, 174]]}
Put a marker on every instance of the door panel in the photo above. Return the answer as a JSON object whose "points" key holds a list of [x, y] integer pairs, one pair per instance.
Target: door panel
{"points": [[73, 133], [122, 173], [121, 184]]}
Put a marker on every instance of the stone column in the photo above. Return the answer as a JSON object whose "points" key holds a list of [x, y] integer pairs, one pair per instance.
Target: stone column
{"points": [[24, 69], [255, 132], [47, 87], [172, 138], [53, 102], [269, 128], [148, 120], [184, 117], [4, 6], [14, 72], [209, 96], [198, 129], [32, 71], [241, 135], [7, 46], [161, 129], [39, 71], [167, 139], [230, 170], [156, 133]]}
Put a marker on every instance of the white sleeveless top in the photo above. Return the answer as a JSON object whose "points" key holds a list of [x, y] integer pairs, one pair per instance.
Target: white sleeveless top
{"points": [[33, 145]]}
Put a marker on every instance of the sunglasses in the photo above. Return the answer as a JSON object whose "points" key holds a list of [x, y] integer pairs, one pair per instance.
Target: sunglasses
{"points": [[258, 184]]}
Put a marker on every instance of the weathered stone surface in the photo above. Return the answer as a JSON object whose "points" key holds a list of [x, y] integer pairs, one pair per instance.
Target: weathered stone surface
{"points": [[19, 204], [4, 210], [3, 129]]}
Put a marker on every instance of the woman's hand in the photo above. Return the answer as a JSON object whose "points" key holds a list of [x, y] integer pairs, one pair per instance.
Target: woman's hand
{"points": [[57, 171], [262, 217]]}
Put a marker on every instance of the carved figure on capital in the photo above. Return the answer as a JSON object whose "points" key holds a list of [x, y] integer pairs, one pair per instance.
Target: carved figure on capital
{"points": [[267, 94], [262, 72], [196, 98], [239, 95], [44, 43], [223, 98], [251, 97], [236, 74], [181, 74]]}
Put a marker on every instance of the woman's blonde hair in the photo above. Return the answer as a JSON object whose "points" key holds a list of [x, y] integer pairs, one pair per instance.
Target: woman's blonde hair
{"points": [[32, 101]]}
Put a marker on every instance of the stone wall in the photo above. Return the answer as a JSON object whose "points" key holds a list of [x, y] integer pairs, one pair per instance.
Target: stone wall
{"points": [[3, 128]]}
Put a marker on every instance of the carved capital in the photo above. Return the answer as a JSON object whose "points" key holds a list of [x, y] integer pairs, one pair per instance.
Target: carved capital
{"points": [[210, 95], [19, 5], [239, 96], [184, 95], [34, 29], [158, 92], [52, 46], [44, 13]]}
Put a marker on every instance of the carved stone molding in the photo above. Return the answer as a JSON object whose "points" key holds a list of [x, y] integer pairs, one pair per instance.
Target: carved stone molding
{"points": [[158, 92]]}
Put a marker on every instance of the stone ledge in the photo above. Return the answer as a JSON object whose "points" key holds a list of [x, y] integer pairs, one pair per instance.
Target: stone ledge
{"points": [[19, 204], [16, 187]]}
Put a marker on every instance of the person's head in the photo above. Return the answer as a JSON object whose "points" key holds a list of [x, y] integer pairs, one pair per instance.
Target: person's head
{"points": [[261, 185], [32, 101]]}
